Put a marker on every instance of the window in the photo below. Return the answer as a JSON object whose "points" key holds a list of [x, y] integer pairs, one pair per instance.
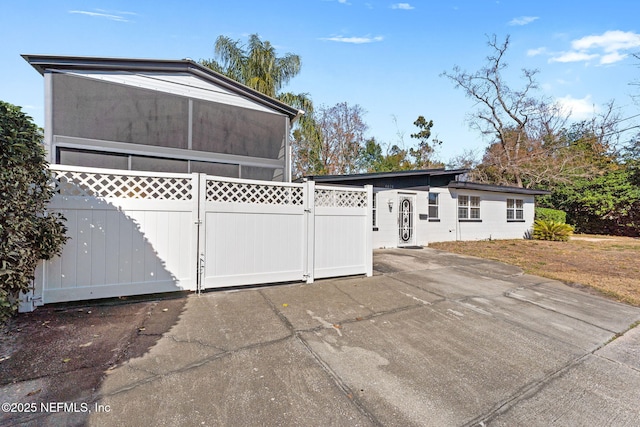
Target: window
{"points": [[515, 210], [374, 211], [93, 159], [469, 207], [433, 206]]}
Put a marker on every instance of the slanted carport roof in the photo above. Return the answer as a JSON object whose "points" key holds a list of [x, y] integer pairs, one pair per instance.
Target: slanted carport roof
{"points": [[135, 65]]}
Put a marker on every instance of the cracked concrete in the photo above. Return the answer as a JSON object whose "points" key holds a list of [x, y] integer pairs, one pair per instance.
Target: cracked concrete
{"points": [[432, 339]]}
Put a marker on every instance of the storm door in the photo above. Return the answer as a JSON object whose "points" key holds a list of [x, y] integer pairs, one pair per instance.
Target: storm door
{"points": [[406, 220]]}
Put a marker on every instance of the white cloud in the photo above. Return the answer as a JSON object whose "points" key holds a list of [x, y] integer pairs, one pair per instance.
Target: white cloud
{"points": [[609, 47], [536, 52], [102, 14], [610, 58], [580, 109], [610, 41], [119, 12], [523, 20], [573, 57], [354, 40], [403, 6]]}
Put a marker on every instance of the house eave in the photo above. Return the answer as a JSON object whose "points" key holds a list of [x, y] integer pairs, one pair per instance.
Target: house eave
{"points": [[496, 188], [55, 62], [377, 175]]}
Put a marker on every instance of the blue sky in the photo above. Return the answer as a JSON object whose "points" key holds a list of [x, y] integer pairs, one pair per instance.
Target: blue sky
{"points": [[383, 55]]}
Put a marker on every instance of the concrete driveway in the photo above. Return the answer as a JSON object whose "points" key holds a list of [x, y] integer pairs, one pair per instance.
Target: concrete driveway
{"points": [[432, 339]]}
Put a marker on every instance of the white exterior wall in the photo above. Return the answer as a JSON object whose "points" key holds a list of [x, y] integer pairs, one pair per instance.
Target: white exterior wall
{"points": [[385, 233], [493, 215]]}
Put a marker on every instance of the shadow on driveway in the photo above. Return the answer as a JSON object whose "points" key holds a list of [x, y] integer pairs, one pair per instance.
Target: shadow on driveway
{"points": [[61, 354]]}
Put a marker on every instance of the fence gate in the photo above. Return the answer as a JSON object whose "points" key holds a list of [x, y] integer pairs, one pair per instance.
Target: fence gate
{"points": [[252, 232], [343, 230], [135, 233]]}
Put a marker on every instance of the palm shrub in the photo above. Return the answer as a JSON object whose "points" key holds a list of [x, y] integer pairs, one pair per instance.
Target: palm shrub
{"points": [[551, 230], [27, 232]]}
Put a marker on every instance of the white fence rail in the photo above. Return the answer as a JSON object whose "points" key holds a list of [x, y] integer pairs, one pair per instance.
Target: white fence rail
{"points": [[140, 232]]}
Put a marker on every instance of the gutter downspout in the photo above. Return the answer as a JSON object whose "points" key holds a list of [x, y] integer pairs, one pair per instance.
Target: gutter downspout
{"points": [[457, 217], [297, 116]]}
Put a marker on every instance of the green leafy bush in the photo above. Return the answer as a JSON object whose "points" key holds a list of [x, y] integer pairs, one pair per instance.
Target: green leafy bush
{"points": [[551, 230], [548, 214], [27, 232], [606, 204]]}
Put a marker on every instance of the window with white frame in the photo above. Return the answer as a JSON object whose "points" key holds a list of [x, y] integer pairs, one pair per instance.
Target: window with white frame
{"points": [[515, 209], [433, 206], [374, 211], [468, 207]]}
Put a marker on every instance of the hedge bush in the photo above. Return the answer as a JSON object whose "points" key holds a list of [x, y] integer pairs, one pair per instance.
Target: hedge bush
{"points": [[27, 232], [548, 214]]}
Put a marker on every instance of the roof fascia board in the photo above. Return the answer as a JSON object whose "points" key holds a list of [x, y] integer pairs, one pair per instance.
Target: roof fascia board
{"points": [[376, 175], [496, 188]]}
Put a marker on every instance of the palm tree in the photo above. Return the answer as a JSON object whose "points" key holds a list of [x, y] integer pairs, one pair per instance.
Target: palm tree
{"points": [[255, 65]]}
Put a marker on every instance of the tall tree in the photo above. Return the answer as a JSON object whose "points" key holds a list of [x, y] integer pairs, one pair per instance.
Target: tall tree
{"points": [[255, 64], [530, 143], [394, 158], [342, 137], [307, 148], [334, 142], [503, 113], [423, 154]]}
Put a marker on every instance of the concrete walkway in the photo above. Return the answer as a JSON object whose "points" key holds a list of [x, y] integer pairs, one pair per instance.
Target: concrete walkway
{"points": [[433, 339]]}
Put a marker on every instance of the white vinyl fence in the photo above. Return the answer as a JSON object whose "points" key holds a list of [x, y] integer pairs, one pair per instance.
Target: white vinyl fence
{"points": [[135, 233]]}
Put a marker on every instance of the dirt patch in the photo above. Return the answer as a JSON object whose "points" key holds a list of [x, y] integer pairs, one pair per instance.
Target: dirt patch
{"points": [[61, 354], [608, 264]]}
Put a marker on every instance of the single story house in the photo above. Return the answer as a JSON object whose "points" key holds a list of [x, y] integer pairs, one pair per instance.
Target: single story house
{"points": [[414, 208], [161, 116]]}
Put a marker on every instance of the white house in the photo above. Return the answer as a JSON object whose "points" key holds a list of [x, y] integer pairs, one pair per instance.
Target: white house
{"points": [[414, 208]]}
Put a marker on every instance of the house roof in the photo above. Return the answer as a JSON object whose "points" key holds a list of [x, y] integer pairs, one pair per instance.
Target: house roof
{"points": [[496, 188], [379, 175], [420, 180], [182, 77]]}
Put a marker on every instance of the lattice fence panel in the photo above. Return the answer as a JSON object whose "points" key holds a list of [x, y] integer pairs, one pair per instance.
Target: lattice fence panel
{"points": [[267, 194], [86, 184], [340, 198]]}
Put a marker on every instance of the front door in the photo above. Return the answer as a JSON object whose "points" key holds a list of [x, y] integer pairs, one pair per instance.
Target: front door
{"points": [[406, 221]]}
